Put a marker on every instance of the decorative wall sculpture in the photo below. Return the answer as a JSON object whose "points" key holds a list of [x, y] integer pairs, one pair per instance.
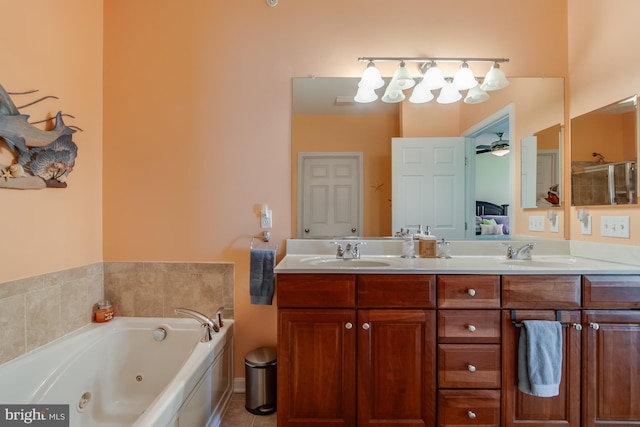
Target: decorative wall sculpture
{"points": [[43, 158]]}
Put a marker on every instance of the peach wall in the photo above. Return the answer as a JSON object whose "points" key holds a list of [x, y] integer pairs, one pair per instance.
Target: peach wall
{"points": [[603, 68], [198, 104], [369, 134], [55, 47]]}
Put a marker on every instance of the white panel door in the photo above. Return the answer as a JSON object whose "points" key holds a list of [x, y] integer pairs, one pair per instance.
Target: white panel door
{"points": [[528, 167], [330, 200], [428, 185]]}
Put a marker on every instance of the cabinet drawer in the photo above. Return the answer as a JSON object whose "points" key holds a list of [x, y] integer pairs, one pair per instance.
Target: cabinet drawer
{"points": [[468, 291], [397, 290], [469, 366], [469, 407], [611, 291], [316, 290], [536, 291], [469, 326]]}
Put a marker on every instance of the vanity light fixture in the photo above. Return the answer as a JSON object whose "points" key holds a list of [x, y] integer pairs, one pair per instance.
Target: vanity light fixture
{"points": [[433, 79]]}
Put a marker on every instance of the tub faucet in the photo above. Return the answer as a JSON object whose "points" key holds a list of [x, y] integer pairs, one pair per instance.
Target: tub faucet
{"points": [[209, 326], [219, 316], [523, 252]]}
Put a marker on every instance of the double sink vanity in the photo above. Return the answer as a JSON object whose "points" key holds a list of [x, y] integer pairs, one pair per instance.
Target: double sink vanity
{"points": [[387, 341]]}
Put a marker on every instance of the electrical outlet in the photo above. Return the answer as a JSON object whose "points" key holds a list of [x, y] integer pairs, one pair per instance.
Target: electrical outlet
{"points": [[266, 218], [536, 223], [586, 228], [614, 226]]}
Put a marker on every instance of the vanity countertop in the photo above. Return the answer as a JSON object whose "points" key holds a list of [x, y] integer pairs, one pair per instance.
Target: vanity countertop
{"points": [[382, 258], [544, 264]]}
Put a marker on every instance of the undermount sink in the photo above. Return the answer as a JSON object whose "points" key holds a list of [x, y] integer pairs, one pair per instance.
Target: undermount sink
{"points": [[546, 262], [349, 263]]}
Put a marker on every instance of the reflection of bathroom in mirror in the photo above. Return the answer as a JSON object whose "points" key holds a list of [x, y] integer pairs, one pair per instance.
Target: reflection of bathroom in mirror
{"points": [[541, 168], [325, 119], [604, 153]]}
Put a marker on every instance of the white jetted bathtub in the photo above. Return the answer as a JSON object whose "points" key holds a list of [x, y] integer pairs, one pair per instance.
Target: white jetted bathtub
{"points": [[131, 371]]}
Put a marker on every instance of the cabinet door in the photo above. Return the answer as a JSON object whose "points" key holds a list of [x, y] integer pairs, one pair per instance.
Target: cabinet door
{"points": [[396, 368], [523, 409], [611, 360], [316, 367]]}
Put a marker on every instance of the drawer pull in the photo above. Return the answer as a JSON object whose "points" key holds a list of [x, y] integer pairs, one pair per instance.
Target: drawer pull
{"points": [[348, 325], [472, 292], [471, 328], [366, 326], [594, 326], [471, 368], [576, 326], [472, 415]]}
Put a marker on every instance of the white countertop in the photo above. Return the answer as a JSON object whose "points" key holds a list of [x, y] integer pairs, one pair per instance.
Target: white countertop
{"points": [[382, 257]]}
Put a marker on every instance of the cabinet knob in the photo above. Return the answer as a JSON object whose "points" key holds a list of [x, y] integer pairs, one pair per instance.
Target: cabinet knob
{"points": [[471, 292], [594, 326], [472, 415], [348, 325], [471, 368], [366, 326], [576, 326], [471, 328]]}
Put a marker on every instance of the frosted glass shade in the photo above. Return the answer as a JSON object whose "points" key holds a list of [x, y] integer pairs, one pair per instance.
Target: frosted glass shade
{"points": [[392, 95], [448, 94], [495, 79], [476, 95], [433, 78], [371, 77], [365, 95], [421, 94], [464, 79], [402, 78]]}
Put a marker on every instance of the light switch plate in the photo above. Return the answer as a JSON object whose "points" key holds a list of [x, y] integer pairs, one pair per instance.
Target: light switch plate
{"points": [[553, 225], [614, 226], [536, 223], [586, 228]]}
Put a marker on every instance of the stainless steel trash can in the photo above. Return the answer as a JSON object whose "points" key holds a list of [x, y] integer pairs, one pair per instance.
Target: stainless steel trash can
{"points": [[260, 367]]}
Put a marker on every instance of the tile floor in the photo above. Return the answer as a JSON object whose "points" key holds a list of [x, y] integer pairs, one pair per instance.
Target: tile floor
{"points": [[238, 416]]}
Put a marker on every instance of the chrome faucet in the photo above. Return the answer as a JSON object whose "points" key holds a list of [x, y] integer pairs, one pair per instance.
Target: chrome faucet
{"points": [[350, 251], [523, 252], [209, 326], [219, 316]]}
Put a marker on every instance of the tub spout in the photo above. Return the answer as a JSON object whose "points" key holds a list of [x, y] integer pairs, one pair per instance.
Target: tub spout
{"points": [[209, 326]]}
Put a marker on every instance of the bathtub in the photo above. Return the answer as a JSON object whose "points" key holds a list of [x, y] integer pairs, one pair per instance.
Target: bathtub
{"points": [[122, 373]]}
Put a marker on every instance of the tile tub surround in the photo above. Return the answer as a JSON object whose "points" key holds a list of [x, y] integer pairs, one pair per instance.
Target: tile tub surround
{"points": [[36, 310], [155, 289]]}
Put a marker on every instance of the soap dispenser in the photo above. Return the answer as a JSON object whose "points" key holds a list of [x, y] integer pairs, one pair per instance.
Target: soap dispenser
{"points": [[427, 244]]}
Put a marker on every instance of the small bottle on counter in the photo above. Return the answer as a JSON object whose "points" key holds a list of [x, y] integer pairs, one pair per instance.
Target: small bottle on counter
{"points": [[104, 311]]}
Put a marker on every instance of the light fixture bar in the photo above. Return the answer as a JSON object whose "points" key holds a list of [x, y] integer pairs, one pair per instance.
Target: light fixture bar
{"points": [[428, 59]]}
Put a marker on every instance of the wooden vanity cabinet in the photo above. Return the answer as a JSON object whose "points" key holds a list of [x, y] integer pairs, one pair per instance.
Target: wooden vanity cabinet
{"points": [[371, 361], [521, 409], [610, 364], [469, 357]]}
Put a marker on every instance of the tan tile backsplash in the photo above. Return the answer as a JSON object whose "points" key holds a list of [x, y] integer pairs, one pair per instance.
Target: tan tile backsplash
{"points": [[39, 309]]}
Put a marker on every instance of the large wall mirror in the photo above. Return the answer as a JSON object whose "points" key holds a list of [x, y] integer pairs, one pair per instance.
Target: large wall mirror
{"points": [[325, 120], [541, 168], [604, 154]]}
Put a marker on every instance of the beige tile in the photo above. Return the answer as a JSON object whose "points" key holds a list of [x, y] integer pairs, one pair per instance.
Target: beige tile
{"points": [[43, 316], [12, 328], [75, 307], [21, 286], [236, 415]]}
